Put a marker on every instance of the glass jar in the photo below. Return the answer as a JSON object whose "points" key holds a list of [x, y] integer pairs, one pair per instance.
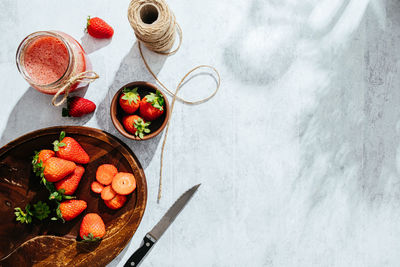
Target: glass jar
{"points": [[48, 59]]}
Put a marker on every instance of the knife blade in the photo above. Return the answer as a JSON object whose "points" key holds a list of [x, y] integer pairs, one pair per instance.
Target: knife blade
{"points": [[158, 230]]}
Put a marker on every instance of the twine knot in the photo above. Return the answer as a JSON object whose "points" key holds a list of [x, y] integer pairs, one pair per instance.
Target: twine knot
{"points": [[87, 76]]}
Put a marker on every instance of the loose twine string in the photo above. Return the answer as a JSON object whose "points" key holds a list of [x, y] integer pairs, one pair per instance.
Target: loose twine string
{"points": [[159, 37], [87, 76]]}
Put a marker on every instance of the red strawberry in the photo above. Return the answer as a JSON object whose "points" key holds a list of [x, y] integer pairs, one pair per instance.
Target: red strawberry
{"points": [[92, 227], [44, 155], [129, 100], [71, 182], [98, 28], [136, 125], [116, 203], [38, 160], [78, 106], [151, 106], [68, 148], [56, 169], [70, 209]]}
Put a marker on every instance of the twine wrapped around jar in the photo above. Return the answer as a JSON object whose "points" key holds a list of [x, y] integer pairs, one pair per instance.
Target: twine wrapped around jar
{"points": [[155, 26], [87, 76]]}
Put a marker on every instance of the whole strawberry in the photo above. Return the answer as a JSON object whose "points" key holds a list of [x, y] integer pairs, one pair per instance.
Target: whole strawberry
{"points": [[129, 100], [98, 28], [55, 169], [70, 183], [136, 125], [39, 158], [152, 106], [68, 148], [78, 106], [44, 155], [70, 209], [92, 227]]}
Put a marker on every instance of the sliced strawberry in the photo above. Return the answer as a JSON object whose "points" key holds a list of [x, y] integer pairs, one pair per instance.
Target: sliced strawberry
{"points": [[96, 187], [105, 173], [108, 193], [124, 183], [116, 203]]}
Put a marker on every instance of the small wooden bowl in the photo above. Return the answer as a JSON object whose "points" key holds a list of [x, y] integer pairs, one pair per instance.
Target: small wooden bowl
{"points": [[117, 113]]}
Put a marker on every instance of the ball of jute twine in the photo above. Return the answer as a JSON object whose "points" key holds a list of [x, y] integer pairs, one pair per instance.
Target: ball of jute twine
{"points": [[155, 26]]}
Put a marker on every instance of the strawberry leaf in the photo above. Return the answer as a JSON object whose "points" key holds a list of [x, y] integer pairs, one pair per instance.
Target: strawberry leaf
{"points": [[41, 210], [62, 135], [58, 143], [59, 214], [37, 166], [130, 95], [90, 238], [141, 127], [87, 24], [156, 100], [23, 216]]}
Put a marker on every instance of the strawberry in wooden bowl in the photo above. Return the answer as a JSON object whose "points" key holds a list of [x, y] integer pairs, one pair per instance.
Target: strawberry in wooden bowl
{"points": [[139, 111]]}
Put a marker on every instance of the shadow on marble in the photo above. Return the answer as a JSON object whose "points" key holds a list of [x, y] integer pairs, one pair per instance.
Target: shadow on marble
{"points": [[349, 140], [264, 46], [91, 44], [26, 115], [131, 69]]}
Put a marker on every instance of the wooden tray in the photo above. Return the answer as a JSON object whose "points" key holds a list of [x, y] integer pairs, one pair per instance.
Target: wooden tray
{"points": [[54, 243]]}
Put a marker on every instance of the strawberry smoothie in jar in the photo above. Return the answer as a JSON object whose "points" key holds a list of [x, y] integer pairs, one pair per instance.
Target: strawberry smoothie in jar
{"points": [[49, 59]]}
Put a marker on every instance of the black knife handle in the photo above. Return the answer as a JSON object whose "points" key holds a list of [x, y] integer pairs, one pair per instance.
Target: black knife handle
{"points": [[141, 252]]}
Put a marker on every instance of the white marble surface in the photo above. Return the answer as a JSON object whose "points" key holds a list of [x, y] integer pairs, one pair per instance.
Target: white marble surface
{"points": [[298, 154]]}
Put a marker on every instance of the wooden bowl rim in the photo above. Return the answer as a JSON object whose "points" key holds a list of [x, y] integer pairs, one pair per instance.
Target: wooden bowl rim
{"points": [[118, 125]]}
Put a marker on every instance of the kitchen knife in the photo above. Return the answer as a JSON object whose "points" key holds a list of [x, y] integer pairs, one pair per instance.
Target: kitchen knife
{"points": [[158, 230]]}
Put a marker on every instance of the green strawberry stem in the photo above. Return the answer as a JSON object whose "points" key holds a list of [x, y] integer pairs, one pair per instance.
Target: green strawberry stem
{"points": [[130, 95], [156, 100], [141, 128], [58, 143], [87, 24]]}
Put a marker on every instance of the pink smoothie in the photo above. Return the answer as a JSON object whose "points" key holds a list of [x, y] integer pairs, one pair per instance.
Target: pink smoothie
{"points": [[46, 60]]}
